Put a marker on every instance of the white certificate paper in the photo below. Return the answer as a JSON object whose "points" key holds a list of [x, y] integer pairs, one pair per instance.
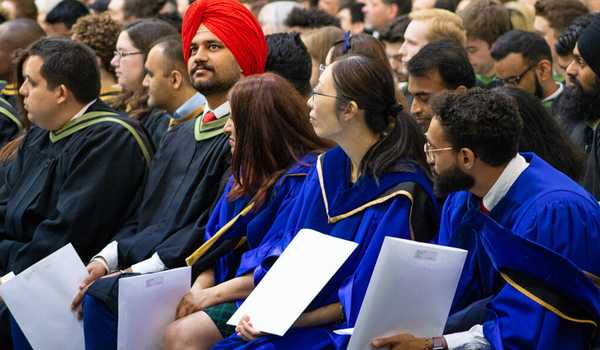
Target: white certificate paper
{"points": [[298, 275], [147, 304], [411, 290], [39, 299]]}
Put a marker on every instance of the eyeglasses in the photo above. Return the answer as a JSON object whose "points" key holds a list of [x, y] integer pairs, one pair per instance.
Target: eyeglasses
{"points": [[430, 151], [121, 54], [516, 79], [315, 92]]}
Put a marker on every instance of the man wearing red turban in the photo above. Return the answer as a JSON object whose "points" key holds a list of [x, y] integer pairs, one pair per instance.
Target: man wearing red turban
{"points": [[222, 41]]}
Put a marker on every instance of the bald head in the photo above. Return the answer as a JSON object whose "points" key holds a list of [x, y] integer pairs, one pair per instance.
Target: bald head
{"points": [[14, 35]]}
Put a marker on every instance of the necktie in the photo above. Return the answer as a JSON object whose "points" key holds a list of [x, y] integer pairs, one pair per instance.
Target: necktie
{"points": [[483, 208], [208, 117]]}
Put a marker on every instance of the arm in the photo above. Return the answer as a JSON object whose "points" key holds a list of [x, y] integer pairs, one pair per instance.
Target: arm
{"points": [[328, 314], [472, 339]]}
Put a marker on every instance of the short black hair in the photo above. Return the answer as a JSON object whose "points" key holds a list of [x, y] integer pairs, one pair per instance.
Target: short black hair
{"points": [[172, 50], [532, 46], [67, 12], [289, 58], [449, 59], [568, 39], [404, 6], [356, 11], [449, 5], [310, 19], [67, 63], [485, 121], [394, 32]]}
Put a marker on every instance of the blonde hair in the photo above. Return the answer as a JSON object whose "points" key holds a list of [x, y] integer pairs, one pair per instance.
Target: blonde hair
{"points": [[443, 25], [319, 41], [522, 15]]}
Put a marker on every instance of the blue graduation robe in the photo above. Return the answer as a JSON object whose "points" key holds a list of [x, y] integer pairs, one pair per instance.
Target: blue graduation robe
{"points": [[364, 212], [543, 205], [75, 185], [238, 224], [546, 301]]}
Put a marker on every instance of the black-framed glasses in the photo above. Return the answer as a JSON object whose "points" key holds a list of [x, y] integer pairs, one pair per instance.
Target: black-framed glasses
{"points": [[121, 54], [516, 79]]}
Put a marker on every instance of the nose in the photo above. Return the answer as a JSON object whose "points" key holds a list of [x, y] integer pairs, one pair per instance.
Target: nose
{"points": [[572, 69], [416, 107], [146, 81], [228, 127], [115, 61], [23, 90]]}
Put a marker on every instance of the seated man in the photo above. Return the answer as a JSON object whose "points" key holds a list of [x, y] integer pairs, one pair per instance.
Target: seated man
{"points": [[472, 148]]}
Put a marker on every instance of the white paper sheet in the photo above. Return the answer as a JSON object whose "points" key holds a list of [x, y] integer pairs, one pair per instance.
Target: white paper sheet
{"points": [[411, 290], [298, 275], [39, 299], [147, 304]]}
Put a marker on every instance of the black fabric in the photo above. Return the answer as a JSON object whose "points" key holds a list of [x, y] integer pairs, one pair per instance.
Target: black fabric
{"points": [[588, 45], [156, 123], [591, 177], [77, 190], [183, 185], [9, 129], [107, 291], [5, 338]]}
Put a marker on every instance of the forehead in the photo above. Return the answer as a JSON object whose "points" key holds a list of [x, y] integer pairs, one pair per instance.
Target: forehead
{"points": [[512, 64], [435, 134], [116, 5], [204, 35], [32, 66], [416, 31], [155, 56], [477, 43], [124, 41], [326, 78], [431, 82]]}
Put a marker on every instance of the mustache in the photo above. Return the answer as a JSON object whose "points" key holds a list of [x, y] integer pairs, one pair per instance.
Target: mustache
{"points": [[204, 66]]}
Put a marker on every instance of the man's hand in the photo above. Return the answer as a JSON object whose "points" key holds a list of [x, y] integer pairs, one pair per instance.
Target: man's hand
{"points": [[95, 270], [403, 341], [246, 330], [197, 299]]}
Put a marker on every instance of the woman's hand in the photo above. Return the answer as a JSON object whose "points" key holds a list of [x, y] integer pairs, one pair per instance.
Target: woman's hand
{"points": [[246, 331]]}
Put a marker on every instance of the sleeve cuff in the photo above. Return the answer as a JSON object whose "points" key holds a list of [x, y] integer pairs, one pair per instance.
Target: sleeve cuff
{"points": [[110, 255], [470, 340], [152, 264]]}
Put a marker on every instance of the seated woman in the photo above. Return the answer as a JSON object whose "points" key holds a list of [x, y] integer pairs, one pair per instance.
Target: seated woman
{"points": [[273, 148], [133, 45], [374, 184]]}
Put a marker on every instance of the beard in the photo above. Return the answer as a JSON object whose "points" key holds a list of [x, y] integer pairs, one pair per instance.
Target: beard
{"points": [[215, 84], [452, 180], [576, 105]]}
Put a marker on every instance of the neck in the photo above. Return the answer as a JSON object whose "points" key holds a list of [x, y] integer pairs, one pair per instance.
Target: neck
{"points": [[106, 79], [216, 100], [486, 178], [179, 98], [550, 87], [68, 113], [356, 144], [490, 72]]}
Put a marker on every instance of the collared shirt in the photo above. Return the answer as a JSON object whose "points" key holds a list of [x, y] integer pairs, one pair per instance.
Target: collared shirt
{"points": [[220, 112], [84, 109], [474, 339], [189, 107], [555, 94]]}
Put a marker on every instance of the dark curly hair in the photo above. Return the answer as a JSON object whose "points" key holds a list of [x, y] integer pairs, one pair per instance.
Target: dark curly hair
{"points": [[485, 121], [568, 39], [100, 33]]}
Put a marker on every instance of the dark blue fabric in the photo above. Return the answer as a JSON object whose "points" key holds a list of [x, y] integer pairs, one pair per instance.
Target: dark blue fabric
{"points": [[368, 227], [99, 325], [544, 206], [18, 338]]}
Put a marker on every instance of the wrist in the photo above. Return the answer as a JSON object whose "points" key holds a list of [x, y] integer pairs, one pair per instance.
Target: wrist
{"points": [[439, 343]]}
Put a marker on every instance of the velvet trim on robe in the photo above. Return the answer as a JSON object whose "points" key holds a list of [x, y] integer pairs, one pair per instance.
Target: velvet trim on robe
{"points": [[365, 212], [183, 185], [544, 206], [10, 123], [78, 189], [546, 302], [238, 224]]}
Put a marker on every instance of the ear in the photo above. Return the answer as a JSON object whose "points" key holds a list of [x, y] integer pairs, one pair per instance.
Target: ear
{"points": [[393, 11], [350, 112], [466, 159], [544, 70], [176, 79], [461, 89], [62, 94]]}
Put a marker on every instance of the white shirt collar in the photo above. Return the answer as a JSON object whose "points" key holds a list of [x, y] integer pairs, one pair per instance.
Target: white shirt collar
{"points": [[220, 112], [556, 93], [83, 110], [509, 175]]}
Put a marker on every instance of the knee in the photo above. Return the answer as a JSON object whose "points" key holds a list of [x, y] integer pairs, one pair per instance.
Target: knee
{"points": [[175, 335]]}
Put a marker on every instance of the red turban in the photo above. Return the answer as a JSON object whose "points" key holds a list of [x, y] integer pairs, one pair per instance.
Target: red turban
{"points": [[234, 25]]}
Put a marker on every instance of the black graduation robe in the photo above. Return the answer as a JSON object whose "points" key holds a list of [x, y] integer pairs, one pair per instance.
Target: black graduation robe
{"points": [[156, 123], [184, 183], [10, 123], [75, 185]]}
